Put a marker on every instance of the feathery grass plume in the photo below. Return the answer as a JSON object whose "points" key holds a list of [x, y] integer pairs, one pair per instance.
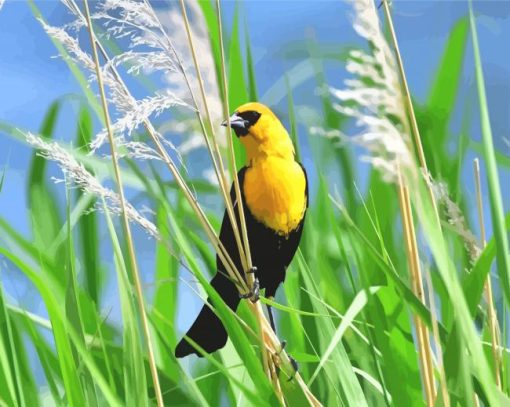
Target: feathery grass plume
{"points": [[173, 23], [150, 51], [75, 171], [374, 98], [122, 101], [140, 111]]}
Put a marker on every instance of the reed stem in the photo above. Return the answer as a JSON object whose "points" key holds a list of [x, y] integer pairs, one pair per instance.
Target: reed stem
{"points": [[266, 358], [125, 220], [221, 170], [414, 130], [422, 334]]}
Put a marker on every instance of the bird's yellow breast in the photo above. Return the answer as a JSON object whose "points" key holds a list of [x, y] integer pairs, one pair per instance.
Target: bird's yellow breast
{"points": [[274, 190]]}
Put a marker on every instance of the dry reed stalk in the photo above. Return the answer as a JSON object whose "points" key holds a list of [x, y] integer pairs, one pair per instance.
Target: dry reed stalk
{"points": [[261, 319], [416, 282], [423, 163], [220, 172], [232, 158], [125, 220], [435, 333], [267, 359], [493, 319]]}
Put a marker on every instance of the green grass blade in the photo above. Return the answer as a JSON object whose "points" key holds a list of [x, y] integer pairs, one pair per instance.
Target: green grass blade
{"points": [[9, 369], [47, 356], [495, 198], [166, 294], [133, 366], [443, 93], [354, 309], [88, 224], [45, 213], [71, 380], [53, 297], [252, 82], [73, 308]]}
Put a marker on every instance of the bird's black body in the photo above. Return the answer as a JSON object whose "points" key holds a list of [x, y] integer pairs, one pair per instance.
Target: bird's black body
{"points": [[271, 254]]}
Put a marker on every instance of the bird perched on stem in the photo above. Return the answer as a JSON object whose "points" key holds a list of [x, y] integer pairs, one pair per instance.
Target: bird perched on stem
{"points": [[274, 191]]}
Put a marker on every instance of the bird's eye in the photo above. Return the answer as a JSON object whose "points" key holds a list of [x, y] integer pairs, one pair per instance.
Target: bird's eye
{"points": [[251, 116]]}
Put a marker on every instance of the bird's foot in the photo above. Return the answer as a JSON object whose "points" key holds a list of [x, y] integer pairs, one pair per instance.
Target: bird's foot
{"points": [[295, 366], [254, 293], [251, 270], [293, 362]]}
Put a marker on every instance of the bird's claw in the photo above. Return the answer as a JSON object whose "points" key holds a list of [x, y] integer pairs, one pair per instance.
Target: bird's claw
{"points": [[254, 293], [295, 366], [293, 362], [251, 270]]}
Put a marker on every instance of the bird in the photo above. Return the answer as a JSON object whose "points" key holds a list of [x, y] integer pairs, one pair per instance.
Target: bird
{"points": [[274, 194]]}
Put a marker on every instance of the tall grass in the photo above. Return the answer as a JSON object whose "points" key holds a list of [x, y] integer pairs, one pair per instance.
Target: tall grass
{"points": [[368, 322]]}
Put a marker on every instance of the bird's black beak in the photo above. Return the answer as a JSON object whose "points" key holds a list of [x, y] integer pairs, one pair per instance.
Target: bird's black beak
{"points": [[238, 124]]}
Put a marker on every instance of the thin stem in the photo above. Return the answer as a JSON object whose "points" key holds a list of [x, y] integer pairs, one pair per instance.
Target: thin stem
{"points": [[437, 340], [232, 158], [267, 359], [493, 318], [407, 94], [221, 177], [414, 267], [415, 131], [125, 220], [413, 124]]}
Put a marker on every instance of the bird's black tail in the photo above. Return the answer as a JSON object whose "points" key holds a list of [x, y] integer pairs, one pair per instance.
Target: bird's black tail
{"points": [[208, 330]]}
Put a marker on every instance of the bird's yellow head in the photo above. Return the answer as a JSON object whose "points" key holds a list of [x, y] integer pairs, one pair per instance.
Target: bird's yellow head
{"points": [[261, 132]]}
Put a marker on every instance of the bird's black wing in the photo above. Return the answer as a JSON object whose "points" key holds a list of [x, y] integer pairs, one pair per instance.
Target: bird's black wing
{"points": [[290, 247], [208, 330]]}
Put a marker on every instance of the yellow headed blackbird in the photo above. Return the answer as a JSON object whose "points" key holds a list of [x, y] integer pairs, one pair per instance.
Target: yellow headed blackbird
{"points": [[274, 191]]}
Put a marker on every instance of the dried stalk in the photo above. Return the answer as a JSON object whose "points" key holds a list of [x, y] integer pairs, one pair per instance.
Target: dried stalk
{"points": [[493, 318], [423, 165], [435, 332], [232, 158], [266, 358], [417, 286], [125, 220], [221, 171]]}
